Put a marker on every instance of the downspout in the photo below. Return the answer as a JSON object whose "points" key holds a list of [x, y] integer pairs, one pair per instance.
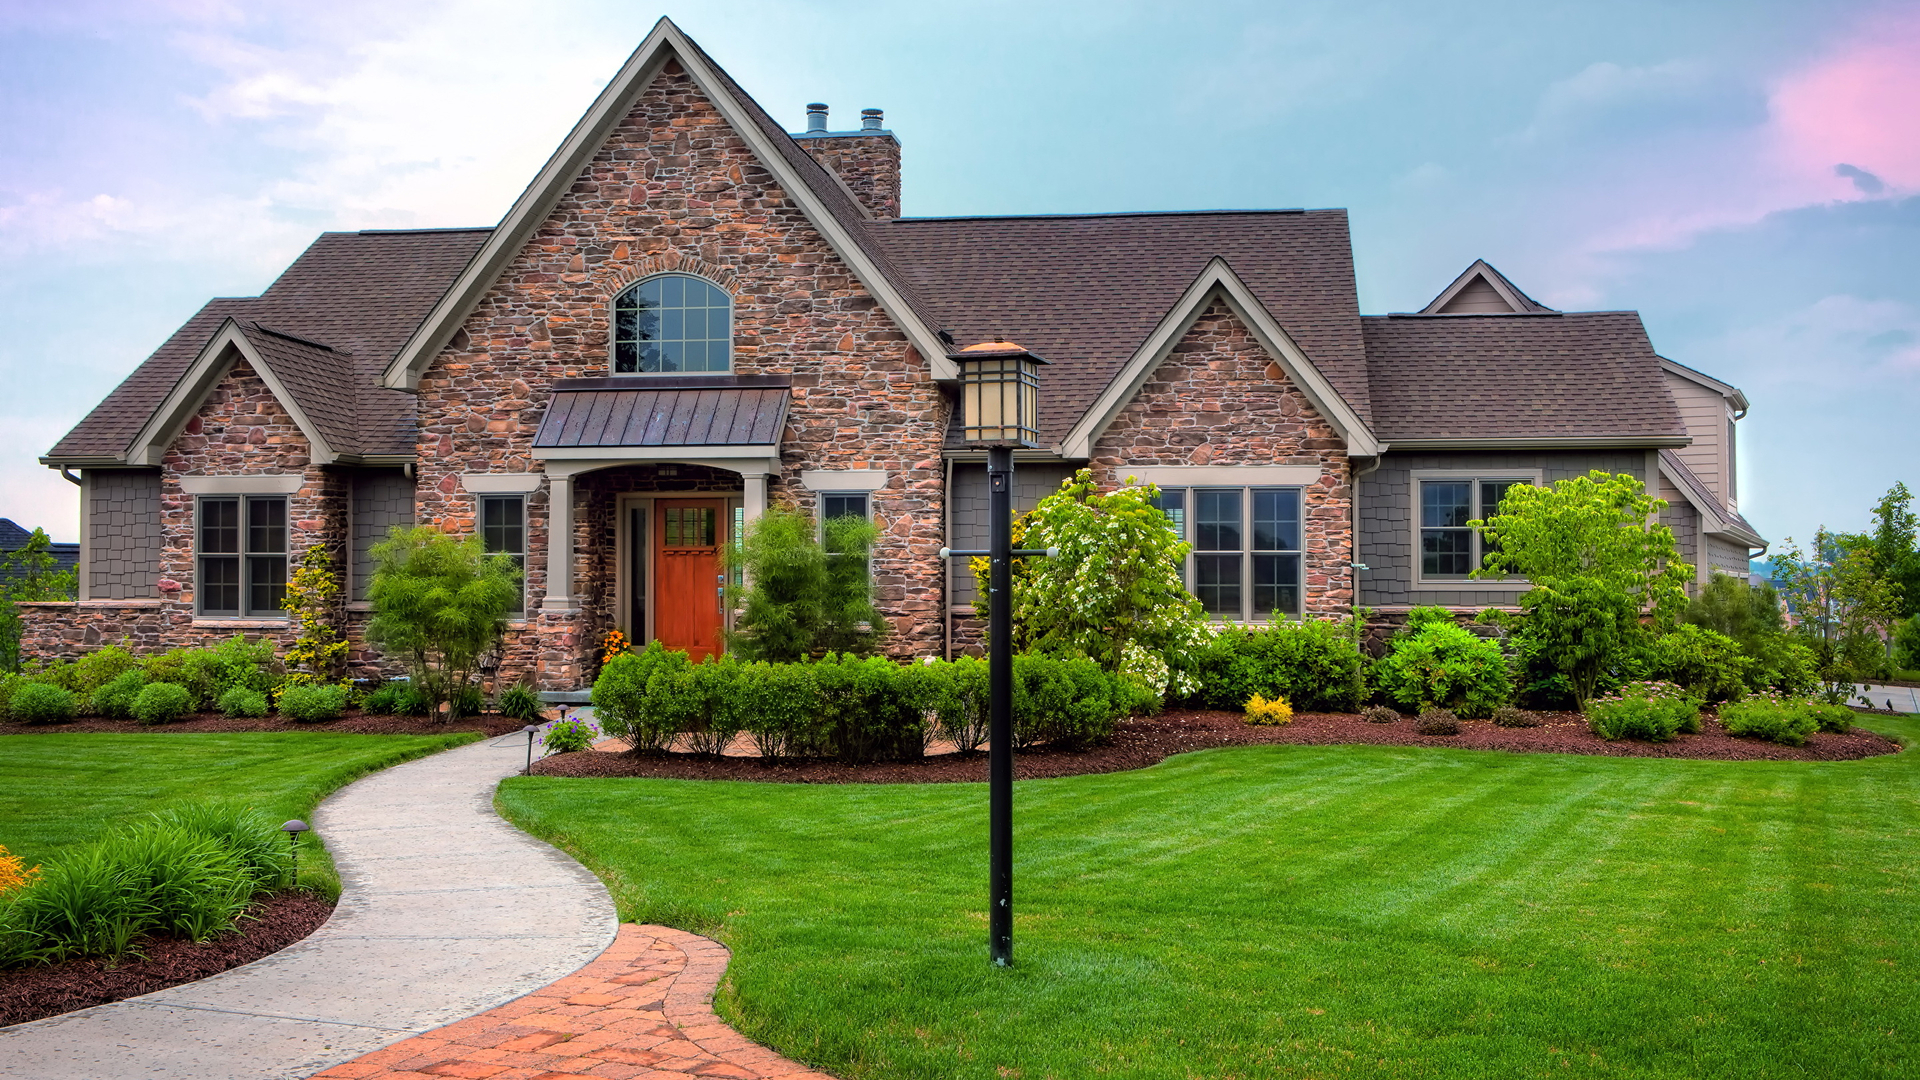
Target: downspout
{"points": [[946, 568], [70, 478]]}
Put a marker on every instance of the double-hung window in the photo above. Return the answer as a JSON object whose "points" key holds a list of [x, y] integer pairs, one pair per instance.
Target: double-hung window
{"points": [[503, 528], [834, 504], [1449, 547], [1245, 563], [242, 555]]}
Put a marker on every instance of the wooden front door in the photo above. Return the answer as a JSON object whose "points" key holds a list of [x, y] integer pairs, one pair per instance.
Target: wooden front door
{"points": [[688, 574]]}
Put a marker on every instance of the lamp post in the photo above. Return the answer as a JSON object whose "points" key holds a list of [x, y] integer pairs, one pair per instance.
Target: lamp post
{"points": [[999, 410], [293, 829], [529, 729]]}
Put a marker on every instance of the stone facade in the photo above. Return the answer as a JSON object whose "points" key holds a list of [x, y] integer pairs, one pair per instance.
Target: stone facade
{"points": [[870, 165], [1218, 399], [675, 189]]}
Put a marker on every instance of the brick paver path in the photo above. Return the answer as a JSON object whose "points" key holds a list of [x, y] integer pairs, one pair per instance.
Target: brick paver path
{"points": [[643, 1010]]}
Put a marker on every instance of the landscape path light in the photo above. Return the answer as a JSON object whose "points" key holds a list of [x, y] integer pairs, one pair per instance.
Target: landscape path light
{"points": [[999, 410], [293, 829], [529, 729]]}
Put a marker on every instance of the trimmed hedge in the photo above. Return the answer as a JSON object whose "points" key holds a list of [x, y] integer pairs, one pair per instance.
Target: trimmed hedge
{"points": [[856, 709], [1315, 664]]}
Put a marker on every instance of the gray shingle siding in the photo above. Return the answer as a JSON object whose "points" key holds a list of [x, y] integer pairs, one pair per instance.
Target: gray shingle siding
{"points": [[1684, 520], [123, 534], [382, 498], [1387, 516], [1726, 557], [968, 501]]}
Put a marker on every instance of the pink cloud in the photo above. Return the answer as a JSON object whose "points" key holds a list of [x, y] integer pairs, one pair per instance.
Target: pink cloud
{"points": [[1858, 106]]}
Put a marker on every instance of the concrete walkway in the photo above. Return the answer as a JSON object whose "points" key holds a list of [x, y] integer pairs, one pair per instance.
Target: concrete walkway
{"points": [[447, 911], [1898, 698]]}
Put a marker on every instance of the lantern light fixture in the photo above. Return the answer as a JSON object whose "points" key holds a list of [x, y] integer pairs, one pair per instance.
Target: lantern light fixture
{"points": [[999, 394]]}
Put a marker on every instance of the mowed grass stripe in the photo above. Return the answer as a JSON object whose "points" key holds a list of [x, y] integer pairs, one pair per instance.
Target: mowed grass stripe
{"points": [[1300, 911]]}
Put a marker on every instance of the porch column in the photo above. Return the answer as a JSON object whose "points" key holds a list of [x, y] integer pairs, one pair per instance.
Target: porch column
{"points": [[559, 541], [754, 497]]}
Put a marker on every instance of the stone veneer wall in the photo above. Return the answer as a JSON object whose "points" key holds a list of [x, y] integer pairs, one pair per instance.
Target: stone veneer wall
{"points": [[1218, 399], [870, 165], [674, 188]]}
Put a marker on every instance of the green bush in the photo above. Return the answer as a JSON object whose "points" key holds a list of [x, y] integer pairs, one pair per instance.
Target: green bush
{"points": [[806, 590], [162, 703], [1315, 664], [1653, 711], [465, 701], [39, 703], [385, 700], [416, 701], [779, 705], [961, 702], [1066, 703], [313, 703], [1783, 665], [240, 701], [1833, 719], [114, 698], [646, 721], [439, 605], [1906, 643], [869, 709], [518, 702], [209, 673], [1708, 664], [569, 735], [1442, 664], [100, 667], [1775, 719]]}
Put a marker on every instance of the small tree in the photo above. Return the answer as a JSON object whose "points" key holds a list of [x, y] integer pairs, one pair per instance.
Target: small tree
{"points": [[1845, 606], [1896, 546], [804, 595], [1605, 574], [1114, 583], [318, 653], [28, 573], [439, 603]]}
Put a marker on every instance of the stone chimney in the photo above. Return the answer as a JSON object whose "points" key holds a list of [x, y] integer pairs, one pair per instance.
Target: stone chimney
{"points": [[867, 159]]}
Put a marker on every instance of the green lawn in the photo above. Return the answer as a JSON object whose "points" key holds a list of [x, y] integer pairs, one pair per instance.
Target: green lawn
{"points": [[1301, 911], [60, 790]]}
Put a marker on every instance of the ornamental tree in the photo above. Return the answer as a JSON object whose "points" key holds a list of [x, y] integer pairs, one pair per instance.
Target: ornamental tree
{"points": [[1605, 574], [318, 654], [1845, 606], [1115, 582], [439, 603]]}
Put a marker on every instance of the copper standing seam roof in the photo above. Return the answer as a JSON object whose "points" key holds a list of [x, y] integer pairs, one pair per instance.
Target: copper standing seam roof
{"points": [[742, 411]]}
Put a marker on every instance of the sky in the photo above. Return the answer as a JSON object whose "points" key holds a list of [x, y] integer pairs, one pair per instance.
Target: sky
{"points": [[1745, 174]]}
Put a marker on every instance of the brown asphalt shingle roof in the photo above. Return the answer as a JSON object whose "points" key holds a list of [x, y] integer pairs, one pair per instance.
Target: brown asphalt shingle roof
{"points": [[354, 299], [1579, 374], [1085, 291]]}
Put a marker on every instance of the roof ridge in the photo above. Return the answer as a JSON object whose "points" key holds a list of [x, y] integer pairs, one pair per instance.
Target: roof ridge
{"points": [[265, 329], [1290, 211]]}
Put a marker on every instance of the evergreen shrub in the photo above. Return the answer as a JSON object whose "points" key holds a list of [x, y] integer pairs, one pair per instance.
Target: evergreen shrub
{"points": [[162, 703], [1442, 664], [1315, 664], [313, 703], [240, 701], [40, 703], [114, 698]]}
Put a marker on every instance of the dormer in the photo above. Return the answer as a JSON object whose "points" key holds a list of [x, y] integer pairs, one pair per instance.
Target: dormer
{"points": [[1482, 290], [1710, 409]]}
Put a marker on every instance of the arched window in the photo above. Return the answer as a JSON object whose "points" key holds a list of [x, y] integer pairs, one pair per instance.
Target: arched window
{"points": [[672, 322]]}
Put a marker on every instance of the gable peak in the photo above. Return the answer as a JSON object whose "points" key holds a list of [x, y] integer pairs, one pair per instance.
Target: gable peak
{"points": [[1482, 290]]}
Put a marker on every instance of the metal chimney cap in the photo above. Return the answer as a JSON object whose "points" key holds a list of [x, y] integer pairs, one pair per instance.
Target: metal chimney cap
{"points": [[816, 117], [870, 119]]}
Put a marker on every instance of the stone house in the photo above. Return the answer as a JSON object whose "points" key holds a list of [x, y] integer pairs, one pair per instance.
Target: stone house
{"points": [[691, 314]]}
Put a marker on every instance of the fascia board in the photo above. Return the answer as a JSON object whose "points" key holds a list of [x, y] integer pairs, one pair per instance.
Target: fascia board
{"points": [[1712, 520], [666, 42], [1734, 395], [1466, 278], [191, 390], [639, 454], [1219, 277], [1598, 442]]}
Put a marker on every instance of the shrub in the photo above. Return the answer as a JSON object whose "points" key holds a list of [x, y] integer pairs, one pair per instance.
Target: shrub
{"points": [[1833, 719], [1315, 664], [39, 703], [1380, 714], [569, 735], [779, 705], [313, 703], [162, 703], [114, 699], [520, 702], [1769, 717], [415, 701], [319, 652], [1438, 722], [963, 707], [100, 667], [807, 590], [208, 673], [241, 701], [1508, 716], [869, 712], [1783, 665], [1654, 711], [1063, 702], [621, 698], [1262, 711], [1446, 665], [1906, 642], [464, 701], [1709, 665], [385, 699]]}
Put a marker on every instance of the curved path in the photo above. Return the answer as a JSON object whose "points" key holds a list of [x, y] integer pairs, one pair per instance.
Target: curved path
{"points": [[446, 911]]}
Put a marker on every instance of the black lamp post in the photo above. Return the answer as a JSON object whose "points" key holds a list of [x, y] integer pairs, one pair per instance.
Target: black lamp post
{"points": [[1000, 410], [529, 729], [293, 829]]}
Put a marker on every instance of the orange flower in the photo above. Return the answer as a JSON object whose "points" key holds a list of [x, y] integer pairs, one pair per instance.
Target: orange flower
{"points": [[14, 874]]}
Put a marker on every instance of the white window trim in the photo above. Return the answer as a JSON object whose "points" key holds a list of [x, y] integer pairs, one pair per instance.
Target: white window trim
{"points": [[1263, 476], [256, 484], [502, 483], [836, 481], [1537, 477]]}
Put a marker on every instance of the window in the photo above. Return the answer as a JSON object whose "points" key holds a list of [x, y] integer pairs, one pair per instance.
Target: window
{"points": [[1449, 548], [1240, 572], [835, 504], [242, 555], [672, 323], [503, 528]]}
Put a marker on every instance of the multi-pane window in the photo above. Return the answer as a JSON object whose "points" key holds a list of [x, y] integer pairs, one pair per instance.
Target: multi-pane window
{"points": [[1246, 548], [1449, 547], [672, 323], [242, 554], [835, 504], [503, 528]]}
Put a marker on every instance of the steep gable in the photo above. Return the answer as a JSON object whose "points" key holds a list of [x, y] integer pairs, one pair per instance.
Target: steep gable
{"points": [[1482, 290]]}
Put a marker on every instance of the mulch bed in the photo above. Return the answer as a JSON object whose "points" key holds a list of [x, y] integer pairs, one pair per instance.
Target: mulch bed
{"points": [[353, 723], [34, 993], [1139, 743]]}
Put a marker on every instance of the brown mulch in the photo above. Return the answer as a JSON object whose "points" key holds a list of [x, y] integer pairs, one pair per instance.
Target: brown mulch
{"points": [[354, 722], [33, 993], [1139, 743]]}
